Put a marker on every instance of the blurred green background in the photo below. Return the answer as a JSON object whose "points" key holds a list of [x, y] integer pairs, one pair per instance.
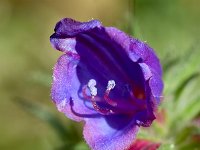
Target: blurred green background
{"points": [[28, 118]]}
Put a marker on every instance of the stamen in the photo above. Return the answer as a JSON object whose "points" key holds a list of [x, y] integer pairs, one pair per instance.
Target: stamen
{"points": [[110, 86], [91, 85], [85, 93], [100, 110], [93, 91]]}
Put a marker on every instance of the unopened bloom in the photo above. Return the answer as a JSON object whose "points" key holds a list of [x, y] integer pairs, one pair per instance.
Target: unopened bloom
{"points": [[141, 144], [107, 79]]}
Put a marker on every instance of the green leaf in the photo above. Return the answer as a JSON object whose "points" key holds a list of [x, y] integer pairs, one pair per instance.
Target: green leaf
{"points": [[184, 83], [182, 70], [184, 134], [170, 63], [186, 115], [191, 111], [43, 114], [167, 147], [191, 144]]}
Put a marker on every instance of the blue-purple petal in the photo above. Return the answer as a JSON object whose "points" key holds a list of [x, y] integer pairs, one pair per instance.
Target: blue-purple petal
{"points": [[65, 89], [111, 133], [66, 45], [69, 27], [149, 62]]}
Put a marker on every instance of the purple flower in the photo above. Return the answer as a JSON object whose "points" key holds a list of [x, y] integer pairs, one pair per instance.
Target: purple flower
{"points": [[107, 79]]}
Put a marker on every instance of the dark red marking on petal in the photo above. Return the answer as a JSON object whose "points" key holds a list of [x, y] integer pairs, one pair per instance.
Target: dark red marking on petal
{"points": [[139, 93]]}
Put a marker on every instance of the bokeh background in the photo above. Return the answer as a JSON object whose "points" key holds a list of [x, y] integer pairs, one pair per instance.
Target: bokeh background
{"points": [[28, 118]]}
